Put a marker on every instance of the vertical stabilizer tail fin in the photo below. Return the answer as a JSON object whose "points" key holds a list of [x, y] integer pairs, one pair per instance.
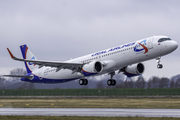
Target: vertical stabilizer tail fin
{"points": [[27, 54]]}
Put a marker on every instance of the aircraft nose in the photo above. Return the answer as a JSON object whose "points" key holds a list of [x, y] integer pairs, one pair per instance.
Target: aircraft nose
{"points": [[174, 45]]}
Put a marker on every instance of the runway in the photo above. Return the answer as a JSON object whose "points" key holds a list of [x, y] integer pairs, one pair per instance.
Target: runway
{"points": [[91, 112]]}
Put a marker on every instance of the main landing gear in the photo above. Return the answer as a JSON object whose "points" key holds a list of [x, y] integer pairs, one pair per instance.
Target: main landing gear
{"points": [[159, 66], [111, 82], [83, 81]]}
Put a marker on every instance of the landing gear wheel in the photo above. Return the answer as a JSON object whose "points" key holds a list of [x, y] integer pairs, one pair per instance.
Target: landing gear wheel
{"points": [[85, 81], [159, 66], [111, 82], [81, 82]]}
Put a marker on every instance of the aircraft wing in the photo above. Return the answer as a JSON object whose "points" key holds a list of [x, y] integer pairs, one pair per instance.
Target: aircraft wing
{"points": [[75, 67]]}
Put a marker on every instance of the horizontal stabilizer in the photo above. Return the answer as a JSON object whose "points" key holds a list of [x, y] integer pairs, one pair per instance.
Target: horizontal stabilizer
{"points": [[20, 76]]}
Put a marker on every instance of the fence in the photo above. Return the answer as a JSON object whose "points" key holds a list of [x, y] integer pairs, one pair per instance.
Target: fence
{"points": [[92, 92]]}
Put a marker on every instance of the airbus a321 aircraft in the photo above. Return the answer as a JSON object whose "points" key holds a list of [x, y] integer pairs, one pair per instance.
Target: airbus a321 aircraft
{"points": [[125, 58]]}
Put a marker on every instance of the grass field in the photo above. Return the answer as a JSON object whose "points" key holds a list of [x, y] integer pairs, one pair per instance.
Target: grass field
{"points": [[93, 92], [61, 102], [89, 98], [78, 118]]}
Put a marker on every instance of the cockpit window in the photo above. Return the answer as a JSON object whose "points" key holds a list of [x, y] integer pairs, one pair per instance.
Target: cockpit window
{"points": [[163, 39]]}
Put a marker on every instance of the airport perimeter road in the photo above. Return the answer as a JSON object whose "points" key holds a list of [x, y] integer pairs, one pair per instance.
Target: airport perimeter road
{"points": [[91, 112]]}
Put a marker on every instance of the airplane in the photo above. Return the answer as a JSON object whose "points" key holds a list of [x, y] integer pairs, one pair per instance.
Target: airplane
{"points": [[124, 58]]}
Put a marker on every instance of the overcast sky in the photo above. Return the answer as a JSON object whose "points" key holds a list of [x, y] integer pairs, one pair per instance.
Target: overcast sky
{"points": [[59, 30]]}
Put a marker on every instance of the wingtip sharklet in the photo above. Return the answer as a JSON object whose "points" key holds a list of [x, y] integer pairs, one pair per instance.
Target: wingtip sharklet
{"points": [[12, 56]]}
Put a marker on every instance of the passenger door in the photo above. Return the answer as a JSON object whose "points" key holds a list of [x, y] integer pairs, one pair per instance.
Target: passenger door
{"points": [[150, 42]]}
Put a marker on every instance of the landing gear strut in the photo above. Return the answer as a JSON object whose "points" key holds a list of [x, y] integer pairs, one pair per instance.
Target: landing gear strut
{"points": [[111, 82], [159, 66], [83, 82]]}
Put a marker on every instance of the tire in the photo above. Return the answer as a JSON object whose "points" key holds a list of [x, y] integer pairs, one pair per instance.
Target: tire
{"points": [[85, 81], [114, 82], [159, 66], [81, 82], [109, 82]]}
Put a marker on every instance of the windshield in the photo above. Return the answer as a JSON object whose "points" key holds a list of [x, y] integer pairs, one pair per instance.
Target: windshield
{"points": [[163, 39]]}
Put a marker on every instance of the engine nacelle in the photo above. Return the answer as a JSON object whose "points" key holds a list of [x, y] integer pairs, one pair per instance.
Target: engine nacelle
{"points": [[134, 70], [92, 68]]}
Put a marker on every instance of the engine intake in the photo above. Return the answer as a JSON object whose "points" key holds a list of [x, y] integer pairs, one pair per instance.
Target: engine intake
{"points": [[134, 70], [92, 68]]}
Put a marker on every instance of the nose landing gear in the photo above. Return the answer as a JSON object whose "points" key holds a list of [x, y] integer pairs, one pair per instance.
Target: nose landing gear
{"points": [[159, 66]]}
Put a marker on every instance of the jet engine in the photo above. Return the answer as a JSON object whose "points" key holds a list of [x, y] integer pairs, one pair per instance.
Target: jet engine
{"points": [[92, 68], [134, 70]]}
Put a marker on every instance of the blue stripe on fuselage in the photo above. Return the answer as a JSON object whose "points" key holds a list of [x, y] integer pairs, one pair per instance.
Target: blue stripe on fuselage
{"points": [[130, 75], [88, 74], [37, 79]]}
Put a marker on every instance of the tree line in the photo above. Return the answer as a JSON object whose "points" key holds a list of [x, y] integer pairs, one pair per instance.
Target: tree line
{"points": [[140, 82]]}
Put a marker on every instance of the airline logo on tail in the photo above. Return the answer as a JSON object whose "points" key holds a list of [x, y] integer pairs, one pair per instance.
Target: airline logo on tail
{"points": [[33, 58], [142, 43]]}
